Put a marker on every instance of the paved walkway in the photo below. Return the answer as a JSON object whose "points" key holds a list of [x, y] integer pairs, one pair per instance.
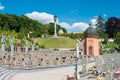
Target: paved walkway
{"points": [[59, 73], [51, 74], [56, 73]]}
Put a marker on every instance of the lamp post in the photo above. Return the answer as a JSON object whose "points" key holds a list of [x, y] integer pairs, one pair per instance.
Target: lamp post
{"points": [[55, 19]]}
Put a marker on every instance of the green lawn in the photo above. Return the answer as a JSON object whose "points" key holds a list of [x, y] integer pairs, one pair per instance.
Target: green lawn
{"points": [[57, 42]]}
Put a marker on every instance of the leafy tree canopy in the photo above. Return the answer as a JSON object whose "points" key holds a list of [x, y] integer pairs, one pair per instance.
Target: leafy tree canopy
{"points": [[112, 26], [23, 25], [100, 26]]}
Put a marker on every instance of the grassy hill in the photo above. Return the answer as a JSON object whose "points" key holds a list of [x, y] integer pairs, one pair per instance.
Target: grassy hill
{"points": [[57, 42]]}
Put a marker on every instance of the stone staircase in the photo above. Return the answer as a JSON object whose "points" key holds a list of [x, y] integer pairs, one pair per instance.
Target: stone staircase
{"points": [[5, 74]]}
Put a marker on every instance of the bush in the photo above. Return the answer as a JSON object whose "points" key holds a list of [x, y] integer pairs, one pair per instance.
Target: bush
{"points": [[56, 49], [42, 46]]}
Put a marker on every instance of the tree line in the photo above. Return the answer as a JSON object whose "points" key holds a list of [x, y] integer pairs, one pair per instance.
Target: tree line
{"points": [[109, 29], [22, 25]]}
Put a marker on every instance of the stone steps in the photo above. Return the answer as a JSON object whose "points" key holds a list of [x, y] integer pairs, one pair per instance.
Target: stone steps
{"points": [[5, 74]]}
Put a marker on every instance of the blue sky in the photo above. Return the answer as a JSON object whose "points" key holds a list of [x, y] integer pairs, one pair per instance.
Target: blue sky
{"points": [[74, 15]]}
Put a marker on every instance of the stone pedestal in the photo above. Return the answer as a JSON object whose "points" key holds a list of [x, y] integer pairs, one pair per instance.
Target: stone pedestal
{"points": [[4, 59], [14, 61], [23, 62]]}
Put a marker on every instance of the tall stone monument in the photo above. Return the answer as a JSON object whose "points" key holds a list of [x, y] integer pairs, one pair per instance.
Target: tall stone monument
{"points": [[55, 32], [12, 46], [3, 49], [26, 46], [3, 44]]}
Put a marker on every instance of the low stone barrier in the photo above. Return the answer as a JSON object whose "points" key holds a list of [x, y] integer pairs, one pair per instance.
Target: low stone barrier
{"points": [[43, 58]]}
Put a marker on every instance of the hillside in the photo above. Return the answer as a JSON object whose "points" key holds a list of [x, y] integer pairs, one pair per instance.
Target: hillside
{"points": [[22, 25], [57, 42]]}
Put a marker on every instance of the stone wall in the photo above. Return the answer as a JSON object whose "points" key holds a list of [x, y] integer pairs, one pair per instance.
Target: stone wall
{"points": [[43, 58]]}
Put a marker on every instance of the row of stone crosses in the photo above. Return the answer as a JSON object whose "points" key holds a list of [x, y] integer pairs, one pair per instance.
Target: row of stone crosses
{"points": [[19, 46]]}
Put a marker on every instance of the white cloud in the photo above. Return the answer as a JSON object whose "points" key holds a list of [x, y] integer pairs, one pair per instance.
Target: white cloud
{"points": [[77, 27], [80, 26], [65, 25], [1, 7], [44, 18], [41, 17], [93, 22]]}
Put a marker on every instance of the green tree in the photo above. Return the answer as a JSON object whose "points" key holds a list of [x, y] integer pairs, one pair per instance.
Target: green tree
{"points": [[22, 24], [49, 28], [117, 38], [64, 30], [105, 39], [112, 26], [100, 26], [6, 27]]}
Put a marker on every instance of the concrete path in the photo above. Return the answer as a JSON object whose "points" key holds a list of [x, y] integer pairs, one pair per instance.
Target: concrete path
{"points": [[56, 73], [51, 74], [59, 73]]}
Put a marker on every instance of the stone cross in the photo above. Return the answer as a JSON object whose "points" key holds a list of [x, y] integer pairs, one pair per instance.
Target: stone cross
{"points": [[26, 46], [33, 45], [80, 45], [14, 60], [77, 49], [12, 46], [3, 44]]}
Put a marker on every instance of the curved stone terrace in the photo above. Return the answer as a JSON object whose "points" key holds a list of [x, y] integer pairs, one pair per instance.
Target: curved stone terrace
{"points": [[42, 58]]}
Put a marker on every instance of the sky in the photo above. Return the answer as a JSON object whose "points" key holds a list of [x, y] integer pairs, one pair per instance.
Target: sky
{"points": [[74, 15]]}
